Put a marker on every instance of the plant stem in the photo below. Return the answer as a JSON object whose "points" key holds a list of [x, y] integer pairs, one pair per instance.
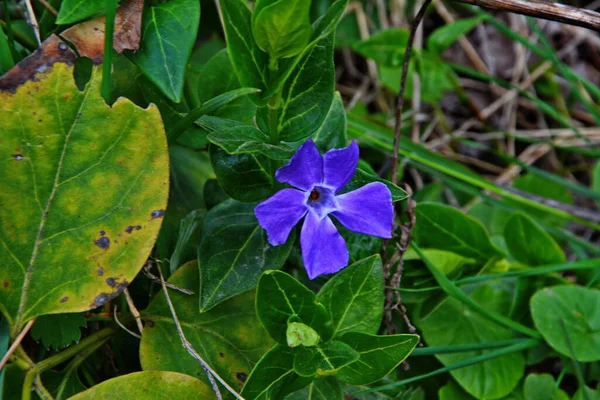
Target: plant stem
{"points": [[111, 11], [16, 343]]}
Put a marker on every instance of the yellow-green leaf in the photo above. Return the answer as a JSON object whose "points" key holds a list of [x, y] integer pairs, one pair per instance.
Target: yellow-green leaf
{"points": [[84, 187]]}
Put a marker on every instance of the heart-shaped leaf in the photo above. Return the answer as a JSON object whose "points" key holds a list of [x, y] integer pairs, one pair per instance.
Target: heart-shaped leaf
{"points": [[280, 297], [354, 297], [150, 385], [229, 337], [234, 252], [81, 209], [568, 318]]}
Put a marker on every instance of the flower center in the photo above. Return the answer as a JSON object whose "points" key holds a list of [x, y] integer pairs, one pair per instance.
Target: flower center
{"points": [[321, 201], [314, 195]]}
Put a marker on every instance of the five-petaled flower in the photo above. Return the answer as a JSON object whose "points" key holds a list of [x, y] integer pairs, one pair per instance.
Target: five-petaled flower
{"points": [[318, 179]]}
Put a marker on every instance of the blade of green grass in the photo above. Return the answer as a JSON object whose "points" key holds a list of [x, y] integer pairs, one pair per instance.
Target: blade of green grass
{"points": [[430, 351], [6, 58], [109, 29]]}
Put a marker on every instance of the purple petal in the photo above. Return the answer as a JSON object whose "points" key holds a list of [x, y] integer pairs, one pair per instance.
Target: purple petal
{"points": [[323, 249], [280, 213], [339, 166], [305, 168], [367, 210]]}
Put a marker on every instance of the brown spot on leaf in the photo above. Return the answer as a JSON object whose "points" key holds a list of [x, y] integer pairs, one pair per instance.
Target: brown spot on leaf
{"points": [[103, 298], [150, 324], [221, 355], [112, 282], [103, 242], [5, 284], [18, 157], [100, 271], [64, 299], [242, 376], [157, 214], [129, 229], [138, 227]]}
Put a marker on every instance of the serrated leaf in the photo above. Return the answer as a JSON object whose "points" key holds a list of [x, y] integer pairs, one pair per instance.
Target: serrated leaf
{"points": [[281, 28], [74, 187], [443, 37], [58, 330], [379, 355], [229, 337], [327, 388], [354, 297], [568, 318], [308, 93], [446, 228], [169, 32], [279, 297], [150, 385], [75, 10], [248, 60], [529, 244], [362, 178], [247, 139], [332, 132], [323, 360], [234, 252]]}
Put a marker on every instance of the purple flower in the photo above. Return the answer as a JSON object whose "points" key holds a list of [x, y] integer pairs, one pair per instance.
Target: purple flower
{"points": [[318, 179]]}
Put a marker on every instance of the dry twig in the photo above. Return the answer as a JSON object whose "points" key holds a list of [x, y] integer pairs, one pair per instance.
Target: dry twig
{"points": [[16, 343]]}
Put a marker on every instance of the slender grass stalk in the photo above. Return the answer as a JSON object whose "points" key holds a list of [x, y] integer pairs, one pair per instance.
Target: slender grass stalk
{"points": [[109, 30]]}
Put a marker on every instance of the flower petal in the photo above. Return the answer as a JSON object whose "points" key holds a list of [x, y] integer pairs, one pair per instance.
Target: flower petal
{"points": [[367, 210], [339, 166], [305, 168], [280, 213], [323, 249]]}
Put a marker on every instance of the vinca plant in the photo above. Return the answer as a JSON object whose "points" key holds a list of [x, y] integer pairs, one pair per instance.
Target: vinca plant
{"points": [[199, 201]]}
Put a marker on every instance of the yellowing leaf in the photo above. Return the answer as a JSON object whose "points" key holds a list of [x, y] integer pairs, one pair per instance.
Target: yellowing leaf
{"points": [[84, 187]]}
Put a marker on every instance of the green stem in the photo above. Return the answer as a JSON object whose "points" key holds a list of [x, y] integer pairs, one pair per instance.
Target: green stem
{"points": [[75, 363], [111, 11]]}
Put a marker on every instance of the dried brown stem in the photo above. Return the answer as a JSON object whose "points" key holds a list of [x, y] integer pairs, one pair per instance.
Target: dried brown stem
{"points": [[16, 343]]}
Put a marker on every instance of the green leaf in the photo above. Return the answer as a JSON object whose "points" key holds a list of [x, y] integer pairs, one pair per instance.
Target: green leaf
{"points": [[446, 228], [379, 355], [451, 391], [362, 178], [443, 37], [279, 296], [187, 226], [586, 393], [354, 297], [4, 342], [75, 10], [247, 139], [386, 47], [244, 177], [595, 186], [332, 132], [308, 93], [328, 388], [542, 387], [451, 324], [169, 32], [217, 77], [229, 337], [58, 330], [6, 57], [281, 28], [248, 60], [273, 376], [323, 360], [151, 385], [529, 244], [298, 334], [73, 187], [234, 252], [568, 318]]}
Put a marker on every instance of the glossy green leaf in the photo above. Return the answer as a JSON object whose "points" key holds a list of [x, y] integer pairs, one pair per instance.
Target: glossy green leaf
{"points": [[451, 324], [568, 318], [234, 252], [75, 10], [379, 355], [245, 177], [281, 28], [218, 77], [150, 385], [168, 35], [229, 337], [451, 391], [273, 375], [362, 178], [386, 47], [446, 228], [542, 387], [248, 60], [58, 330], [332, 132], [354, 297], [247, 139], [308, 93], [328, 388], [443, 37], [279, 297], [324, 360], [73, 186], [298, 334], [529, 244]]}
